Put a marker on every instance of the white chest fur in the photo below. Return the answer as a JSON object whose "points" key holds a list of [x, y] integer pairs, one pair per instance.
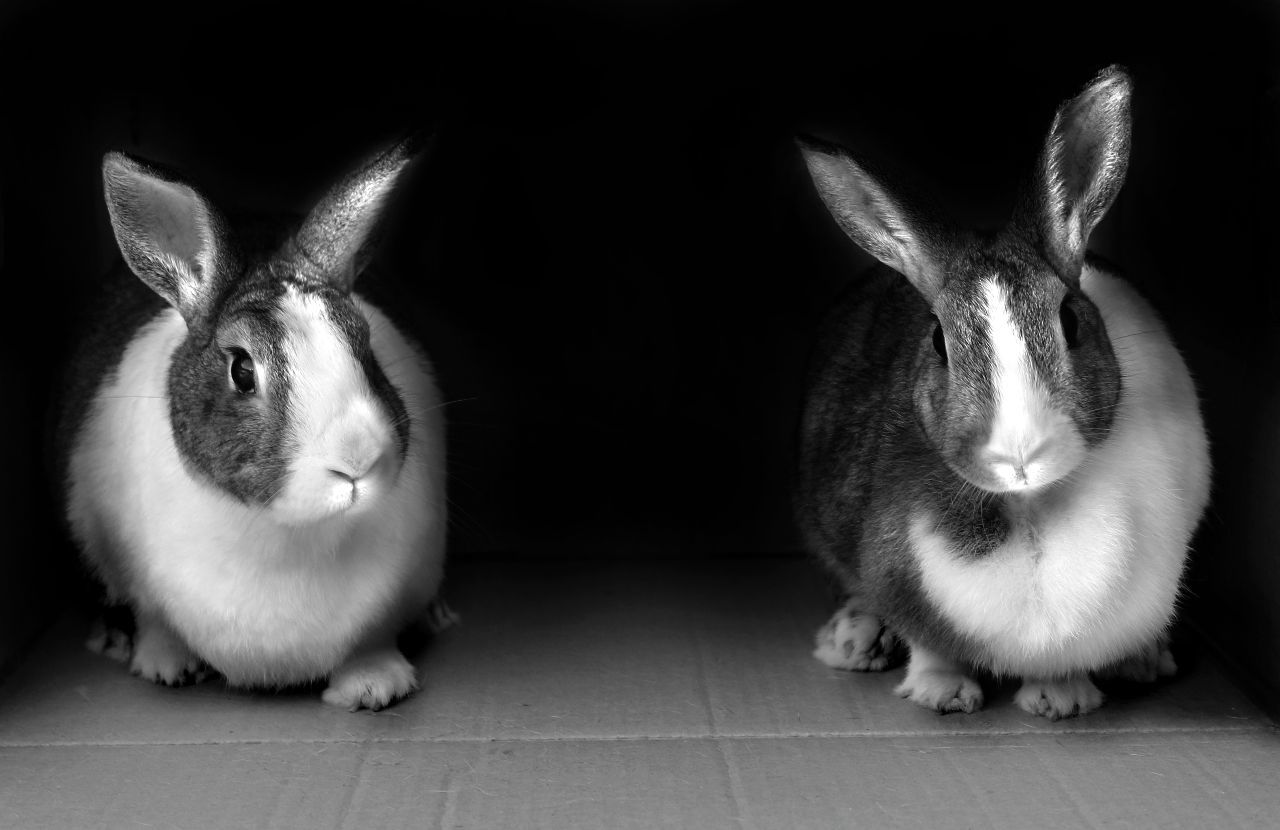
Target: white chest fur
{"points": [[262, 602], [1090, 571]]}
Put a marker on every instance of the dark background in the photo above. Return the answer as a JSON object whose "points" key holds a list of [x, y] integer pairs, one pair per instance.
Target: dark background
{"points": [[615, 257]]}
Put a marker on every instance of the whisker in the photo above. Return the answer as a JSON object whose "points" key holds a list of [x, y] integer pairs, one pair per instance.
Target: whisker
{"points": [[1136, 334], [450, 403]]}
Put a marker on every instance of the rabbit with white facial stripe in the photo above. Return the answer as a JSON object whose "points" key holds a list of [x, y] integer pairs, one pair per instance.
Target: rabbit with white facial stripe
{"points": [[254, 454], [1001, 456]]}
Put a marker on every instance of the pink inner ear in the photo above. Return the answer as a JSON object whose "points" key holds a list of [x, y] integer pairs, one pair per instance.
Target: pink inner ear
{"points": [[1082, 169], [169, 216], [1094, 133], [167, 233], [1084, 147]]}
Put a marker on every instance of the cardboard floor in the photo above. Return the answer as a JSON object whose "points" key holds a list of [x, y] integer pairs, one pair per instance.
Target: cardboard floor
{"points": [[621, 694]]}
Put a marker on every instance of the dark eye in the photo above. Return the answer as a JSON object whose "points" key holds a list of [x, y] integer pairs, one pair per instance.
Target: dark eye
{"points": [[939, 340], [1070, 325], [242, 376]]}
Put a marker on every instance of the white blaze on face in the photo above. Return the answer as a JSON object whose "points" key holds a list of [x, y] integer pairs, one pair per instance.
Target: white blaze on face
{"points": [[1032, 443], [341, 444]]}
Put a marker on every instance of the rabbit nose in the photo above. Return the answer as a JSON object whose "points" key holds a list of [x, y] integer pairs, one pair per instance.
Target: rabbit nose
{"points": [[1019, 456], [1016, 460], [356, 469]]}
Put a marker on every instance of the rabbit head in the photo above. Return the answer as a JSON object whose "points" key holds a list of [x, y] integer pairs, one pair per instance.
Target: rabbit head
{"points": [[274, 393], [1014, 377]]}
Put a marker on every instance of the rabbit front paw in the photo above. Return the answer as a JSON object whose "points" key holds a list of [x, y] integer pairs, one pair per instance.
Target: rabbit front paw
{"points": [[855, 641], [440, 617], [1054, 699], [109, 641], [161, 657], [942, 691], [937, 683], [370, 680]]}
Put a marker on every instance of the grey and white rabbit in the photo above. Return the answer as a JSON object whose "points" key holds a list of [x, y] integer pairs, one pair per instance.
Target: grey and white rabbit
{"points": [[255, 461], [1001, 454]]}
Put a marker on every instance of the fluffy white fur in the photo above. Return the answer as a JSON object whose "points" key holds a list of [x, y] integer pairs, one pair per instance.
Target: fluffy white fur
{"points": [[1091, 573], [263, 598]]}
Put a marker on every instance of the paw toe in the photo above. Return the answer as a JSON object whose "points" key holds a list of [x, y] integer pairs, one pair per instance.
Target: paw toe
{"points": [[169, 673]]}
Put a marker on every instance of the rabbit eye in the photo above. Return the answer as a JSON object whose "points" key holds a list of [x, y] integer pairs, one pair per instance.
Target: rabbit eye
{"points": [[1070, 325], [242, 376], [939, 340]]}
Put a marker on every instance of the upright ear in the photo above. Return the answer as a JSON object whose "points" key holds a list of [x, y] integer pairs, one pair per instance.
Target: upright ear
{"points": [[1080, 171], [334, 240], [170, 236], [873, 218]]}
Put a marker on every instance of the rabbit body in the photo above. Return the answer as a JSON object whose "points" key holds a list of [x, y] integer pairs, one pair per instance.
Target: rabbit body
{"points": [[1002, 457], [263, 602], [1073, 579], [256, 459]]}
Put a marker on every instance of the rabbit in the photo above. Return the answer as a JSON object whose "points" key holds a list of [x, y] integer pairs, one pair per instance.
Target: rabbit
{"points": [[255, 460], [1001, 457]]}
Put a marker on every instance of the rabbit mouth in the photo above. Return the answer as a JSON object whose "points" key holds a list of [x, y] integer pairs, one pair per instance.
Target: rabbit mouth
{"points": [[1019, 470], [351, 490], [326, 491]]}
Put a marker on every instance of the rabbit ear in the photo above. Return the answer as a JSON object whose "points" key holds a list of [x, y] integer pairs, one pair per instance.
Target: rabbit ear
{"points": [[333, 241], [170, 236], [1080, 170], [873, 218]]}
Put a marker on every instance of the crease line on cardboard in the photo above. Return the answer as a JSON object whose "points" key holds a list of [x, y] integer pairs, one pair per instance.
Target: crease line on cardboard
{"points": [[1260, 728]]}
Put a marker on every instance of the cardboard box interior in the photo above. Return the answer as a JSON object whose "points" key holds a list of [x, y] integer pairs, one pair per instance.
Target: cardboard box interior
{"points": [[617, 263]]}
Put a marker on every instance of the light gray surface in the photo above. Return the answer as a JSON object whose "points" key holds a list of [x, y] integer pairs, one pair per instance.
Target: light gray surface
{"points": [[580, 694]]}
